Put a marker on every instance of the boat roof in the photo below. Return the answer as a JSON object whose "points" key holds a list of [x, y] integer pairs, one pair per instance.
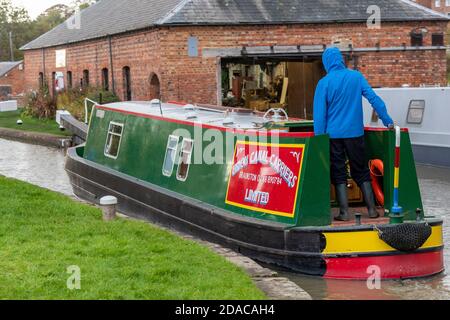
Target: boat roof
{"points": [[222, 117]]}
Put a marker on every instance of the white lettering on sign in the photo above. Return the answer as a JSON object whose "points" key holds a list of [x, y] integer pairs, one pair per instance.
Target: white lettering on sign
{"points": [[257, 197], [262, 157]]}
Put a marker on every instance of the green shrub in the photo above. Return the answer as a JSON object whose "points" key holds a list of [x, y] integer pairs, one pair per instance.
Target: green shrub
{"points": [[72, 100], [41, 104]]}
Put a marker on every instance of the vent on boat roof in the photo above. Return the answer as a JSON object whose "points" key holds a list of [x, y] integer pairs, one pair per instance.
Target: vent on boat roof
{"points": [[228, 121], [155, 103], [189, 107], [191, 115]]}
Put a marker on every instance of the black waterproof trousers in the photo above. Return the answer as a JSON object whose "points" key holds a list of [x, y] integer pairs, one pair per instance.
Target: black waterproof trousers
{"points": [[354, 150]]}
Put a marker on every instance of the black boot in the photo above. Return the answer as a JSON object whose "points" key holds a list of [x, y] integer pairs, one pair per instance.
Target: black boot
{"points": [[342, 198], [369, 198]]}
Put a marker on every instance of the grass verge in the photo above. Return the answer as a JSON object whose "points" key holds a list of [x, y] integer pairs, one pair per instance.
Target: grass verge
{"points": [[42, 233], [9, 120]]}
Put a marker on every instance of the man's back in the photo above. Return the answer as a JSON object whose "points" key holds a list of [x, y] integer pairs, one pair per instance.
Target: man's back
{"points": [[338, 107]]}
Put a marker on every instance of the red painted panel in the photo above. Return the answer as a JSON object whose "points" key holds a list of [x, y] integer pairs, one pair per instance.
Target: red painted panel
{"points": [[382, 129], [392, 267], [266, 178]]}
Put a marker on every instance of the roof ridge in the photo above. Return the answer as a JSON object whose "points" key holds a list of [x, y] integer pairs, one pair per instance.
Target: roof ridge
{"points": [[173, 12], [419, 6]]}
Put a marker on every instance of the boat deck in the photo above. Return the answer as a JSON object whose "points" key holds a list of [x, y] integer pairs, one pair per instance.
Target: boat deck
{"points": [[365, 220]]}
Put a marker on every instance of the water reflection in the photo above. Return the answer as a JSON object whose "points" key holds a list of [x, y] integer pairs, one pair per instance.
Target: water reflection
{"points": [[35, 164]]}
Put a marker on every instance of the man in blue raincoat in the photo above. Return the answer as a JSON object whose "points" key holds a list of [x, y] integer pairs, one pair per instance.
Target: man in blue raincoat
{"points": [[338, 112]]}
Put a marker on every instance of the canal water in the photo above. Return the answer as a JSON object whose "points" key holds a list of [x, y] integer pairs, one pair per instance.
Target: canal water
{"points": [[45, 167]]}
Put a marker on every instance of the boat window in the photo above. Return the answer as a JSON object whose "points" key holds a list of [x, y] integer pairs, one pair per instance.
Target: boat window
{"points": [[171, 154], [416, 112], [185, 159], [113, 140]]}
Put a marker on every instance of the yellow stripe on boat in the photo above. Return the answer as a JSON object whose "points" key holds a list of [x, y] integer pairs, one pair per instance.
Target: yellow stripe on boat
{"points": [[368, 241]]}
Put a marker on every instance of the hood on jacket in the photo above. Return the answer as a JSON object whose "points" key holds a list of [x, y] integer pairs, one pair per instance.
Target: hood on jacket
{"points": [[332, 60]]}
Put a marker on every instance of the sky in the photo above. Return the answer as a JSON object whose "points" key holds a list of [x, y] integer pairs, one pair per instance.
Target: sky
{"points": [[36, 7]]}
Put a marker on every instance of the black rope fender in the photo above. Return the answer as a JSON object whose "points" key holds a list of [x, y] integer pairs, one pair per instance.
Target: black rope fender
{"points": [[405, 237]]}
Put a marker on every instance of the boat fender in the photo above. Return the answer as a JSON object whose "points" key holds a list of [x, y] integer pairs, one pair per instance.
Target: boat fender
{"points": [[405, 237], [376, 171]]}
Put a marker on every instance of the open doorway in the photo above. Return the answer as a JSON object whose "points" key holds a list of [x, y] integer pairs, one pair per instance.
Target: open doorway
{"points": [[272, 82]]}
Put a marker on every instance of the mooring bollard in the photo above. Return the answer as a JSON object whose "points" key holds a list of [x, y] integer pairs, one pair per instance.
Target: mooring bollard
{"points": [[358, 217], [108, 204]]}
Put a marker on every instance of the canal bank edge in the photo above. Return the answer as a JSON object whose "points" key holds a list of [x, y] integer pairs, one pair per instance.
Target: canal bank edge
{"points": [[268, 281], [42, 139]]}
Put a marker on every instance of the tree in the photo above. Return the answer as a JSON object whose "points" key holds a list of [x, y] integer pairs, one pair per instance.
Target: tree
{"points": [[17, 21]]}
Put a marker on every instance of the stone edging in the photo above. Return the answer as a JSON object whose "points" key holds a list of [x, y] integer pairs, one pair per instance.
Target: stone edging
{"points": [[43, 139], [274, 286]]}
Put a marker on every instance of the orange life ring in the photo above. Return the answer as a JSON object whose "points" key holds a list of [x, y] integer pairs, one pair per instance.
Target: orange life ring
{"points": [[377, 171]]}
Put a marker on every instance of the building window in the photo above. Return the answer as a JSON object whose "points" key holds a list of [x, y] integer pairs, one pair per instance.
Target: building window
{"points": [[447, 3], [126, 83], [105, 79], [416, 39], [437, 3], [85, 80], [171, 154], [41, 80], [113, 140], [185, 159], [437, 39], [69, 80], [155, 89]]}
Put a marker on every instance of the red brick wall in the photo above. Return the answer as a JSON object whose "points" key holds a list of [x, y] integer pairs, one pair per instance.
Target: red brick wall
{"points": [[138, 51], [194, 79], [14, 78]]}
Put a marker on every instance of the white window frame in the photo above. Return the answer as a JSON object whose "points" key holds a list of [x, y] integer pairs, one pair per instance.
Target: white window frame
{"points": [[437, 3], [112, 123], [183, 144], [447, 3], [169, 140]]}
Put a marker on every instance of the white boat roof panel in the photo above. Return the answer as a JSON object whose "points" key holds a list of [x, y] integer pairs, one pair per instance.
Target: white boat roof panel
{"points": [[198, 114]]}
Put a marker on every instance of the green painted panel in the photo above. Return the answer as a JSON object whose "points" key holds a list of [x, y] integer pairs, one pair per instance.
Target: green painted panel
{"points": [[381, 145]]}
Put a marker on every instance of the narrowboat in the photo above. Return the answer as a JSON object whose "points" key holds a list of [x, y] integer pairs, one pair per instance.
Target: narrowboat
{"points": [[259, 184], [425, 112]]}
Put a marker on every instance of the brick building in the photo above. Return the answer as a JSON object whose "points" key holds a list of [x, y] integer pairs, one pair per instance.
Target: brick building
{"points": [[442, 6], [254, 51], [12, 77]]}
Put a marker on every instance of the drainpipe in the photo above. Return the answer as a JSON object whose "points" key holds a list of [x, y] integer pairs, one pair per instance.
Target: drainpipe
{"points": [[43, 66], [111, 64]]}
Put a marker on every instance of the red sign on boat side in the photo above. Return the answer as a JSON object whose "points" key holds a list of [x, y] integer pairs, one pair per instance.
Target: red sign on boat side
{"points": [[266, 177]]}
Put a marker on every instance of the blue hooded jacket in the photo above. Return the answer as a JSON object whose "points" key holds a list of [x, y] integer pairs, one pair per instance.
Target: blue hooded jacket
{"points": [[338, 109]]}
